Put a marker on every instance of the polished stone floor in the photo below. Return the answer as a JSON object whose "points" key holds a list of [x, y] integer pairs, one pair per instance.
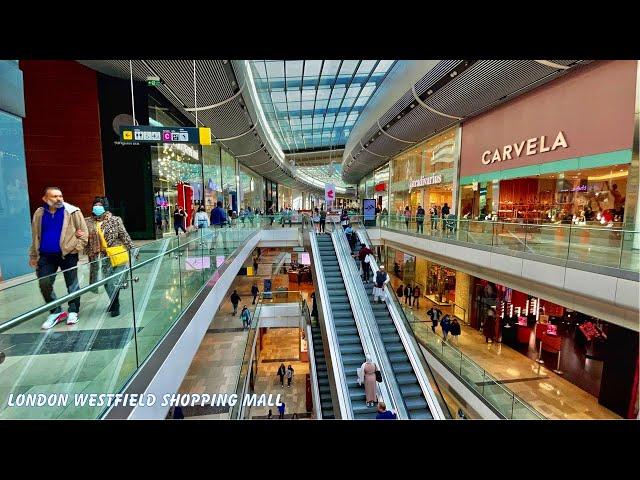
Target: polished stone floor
{"points": [[540, 387]]}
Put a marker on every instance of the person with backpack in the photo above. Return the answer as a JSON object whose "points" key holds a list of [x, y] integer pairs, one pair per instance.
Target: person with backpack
{"points": [[202, 219], [282, 371], [382, 278], [254, 292], [408, 293], [235, 299], [363, 255], [445, 324], [289, 375], [455, 329], [416, 296], [245, 316]]}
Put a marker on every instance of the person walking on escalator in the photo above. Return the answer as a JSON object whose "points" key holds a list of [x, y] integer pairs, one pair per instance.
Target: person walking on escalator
{"points": [[314, 308], [384, 414], [282, 372], [235, 299], [363, 255], [367, 376], [382, 278]]}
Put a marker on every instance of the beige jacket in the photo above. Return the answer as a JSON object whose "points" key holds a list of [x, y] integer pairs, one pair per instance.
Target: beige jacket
{"points": [[69, 243]]}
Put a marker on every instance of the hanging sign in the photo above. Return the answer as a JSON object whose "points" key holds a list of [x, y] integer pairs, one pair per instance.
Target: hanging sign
{"points": [[329, 193], [147, 134]]}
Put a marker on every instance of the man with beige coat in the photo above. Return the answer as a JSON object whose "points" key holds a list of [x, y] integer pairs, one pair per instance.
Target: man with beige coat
{"points": [[59, 233]]}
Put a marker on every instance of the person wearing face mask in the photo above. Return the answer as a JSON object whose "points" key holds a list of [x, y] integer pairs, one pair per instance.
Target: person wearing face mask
{"points": [[58, 235], [107, 231]]}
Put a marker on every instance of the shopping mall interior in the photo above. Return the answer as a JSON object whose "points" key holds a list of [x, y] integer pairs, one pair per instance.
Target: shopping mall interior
{"points": [[319, 239]]}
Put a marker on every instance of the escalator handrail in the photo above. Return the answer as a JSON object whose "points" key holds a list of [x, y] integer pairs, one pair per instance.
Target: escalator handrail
{"points": [[366, 324], [315, 391], [342, 391], [411, 345]]}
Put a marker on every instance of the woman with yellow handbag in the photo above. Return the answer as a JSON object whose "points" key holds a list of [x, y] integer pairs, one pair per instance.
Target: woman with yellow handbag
{"points": [[109, 240]]}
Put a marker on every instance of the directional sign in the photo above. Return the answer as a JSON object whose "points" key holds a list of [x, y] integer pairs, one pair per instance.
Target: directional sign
{"points": [[147, 134]]}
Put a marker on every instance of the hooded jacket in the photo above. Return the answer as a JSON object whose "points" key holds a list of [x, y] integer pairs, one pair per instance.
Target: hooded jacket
{"points": [[69, 243]]}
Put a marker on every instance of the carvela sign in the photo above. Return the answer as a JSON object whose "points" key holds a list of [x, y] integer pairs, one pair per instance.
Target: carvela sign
{"points": [[145, 134], [517, 149]]}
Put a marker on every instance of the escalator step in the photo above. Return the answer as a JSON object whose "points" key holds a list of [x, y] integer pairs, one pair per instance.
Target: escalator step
{"points": [[401, 367], [420, 415], [415, 403], [348, 340], [398, 357], [352, 349], [394, 348], [412, 390], [406, 378]]}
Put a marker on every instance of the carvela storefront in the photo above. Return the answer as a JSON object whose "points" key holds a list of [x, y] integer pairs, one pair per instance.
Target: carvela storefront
{"points": [[559, 154]]}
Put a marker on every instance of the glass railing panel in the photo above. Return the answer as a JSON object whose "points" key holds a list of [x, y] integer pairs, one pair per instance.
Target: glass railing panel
{"points": [[478, 232], [599, 246], [522, 411], [630, 258], [509, 236], [472, 374], [501, 398], [548, 240], [96, 355]]}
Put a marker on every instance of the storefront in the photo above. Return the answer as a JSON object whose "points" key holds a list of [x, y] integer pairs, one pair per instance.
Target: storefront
{"points": [[425, 174], [558, 154], [251, 189]]}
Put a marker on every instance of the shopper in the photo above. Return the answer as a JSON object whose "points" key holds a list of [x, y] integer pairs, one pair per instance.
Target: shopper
{"points": [[363, 255], [245, 316], [179, 219], [106, 234], [367, 376], [314, 308], [255, 265], [348, 231], [445, 211], [344, 219], [400, 291], [254, 291], [407, 216], [323, 220], [489, 326], [384, 414], [416, 296], [455, 329], [271, 214], [384, 217], [289, 375], [58, 234], [420, 219], [202, 219], [433, 213], [282, 371], [382, 278], [408, 294], [445, 324], [434, 314], [235, 299], [218, 216], [281, 408]]}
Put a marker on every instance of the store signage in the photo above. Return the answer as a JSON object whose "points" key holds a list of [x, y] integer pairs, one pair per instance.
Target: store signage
{"points": [[369, 209], [533, 147], [329, 193], [579, 188], [381, 187], [421, 182], [147, 134]]}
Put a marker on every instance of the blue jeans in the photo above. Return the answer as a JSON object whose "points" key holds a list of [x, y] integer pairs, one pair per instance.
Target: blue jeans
{"points": [[48, 265]]}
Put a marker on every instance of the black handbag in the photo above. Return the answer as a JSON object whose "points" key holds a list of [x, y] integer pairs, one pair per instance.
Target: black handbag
{"points": [[378, 376]]}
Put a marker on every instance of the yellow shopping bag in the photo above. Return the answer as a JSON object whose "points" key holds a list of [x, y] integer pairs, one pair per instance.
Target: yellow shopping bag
{"points": [[118, 255]]}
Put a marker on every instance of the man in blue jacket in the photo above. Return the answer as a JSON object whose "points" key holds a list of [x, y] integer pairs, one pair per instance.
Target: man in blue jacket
{"points": [[218, 220]]}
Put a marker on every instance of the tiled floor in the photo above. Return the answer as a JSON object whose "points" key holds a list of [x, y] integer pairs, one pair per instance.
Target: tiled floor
{"points": [[550, 394]]}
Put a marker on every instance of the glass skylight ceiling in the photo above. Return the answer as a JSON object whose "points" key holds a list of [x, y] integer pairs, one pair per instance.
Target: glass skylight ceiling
{"points": [[313, 104], [325, 174]]}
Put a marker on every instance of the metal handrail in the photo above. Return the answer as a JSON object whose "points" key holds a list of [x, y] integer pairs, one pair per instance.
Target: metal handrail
{"points": [[315, 392], [410, 344], [367, 327], [342, 391]]}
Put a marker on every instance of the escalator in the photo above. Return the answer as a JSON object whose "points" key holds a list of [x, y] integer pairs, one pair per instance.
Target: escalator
{"points": [[410, 389], [351, 350], [322, 374]]}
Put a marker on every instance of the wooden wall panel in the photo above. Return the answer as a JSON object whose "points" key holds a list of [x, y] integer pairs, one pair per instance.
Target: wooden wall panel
{"points": [[62, 131]]}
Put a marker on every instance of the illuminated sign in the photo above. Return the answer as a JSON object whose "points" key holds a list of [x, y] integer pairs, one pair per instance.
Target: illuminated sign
{"points": [[147, 134], [534, 146], [421, 182]]}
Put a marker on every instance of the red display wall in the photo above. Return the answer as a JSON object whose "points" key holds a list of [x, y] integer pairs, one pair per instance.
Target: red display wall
{"points": [[62, 131]]}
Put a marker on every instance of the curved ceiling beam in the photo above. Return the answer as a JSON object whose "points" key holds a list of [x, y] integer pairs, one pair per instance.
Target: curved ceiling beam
{"points": [[372, 153], [249, 154], [433, 110], [389, 135], [238, 136], [215, 105], [549, 63], [260, 164]]}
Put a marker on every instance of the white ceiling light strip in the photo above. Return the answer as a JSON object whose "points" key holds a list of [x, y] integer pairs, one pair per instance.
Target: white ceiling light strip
{"points": [[415, 95], [215, 105], [551, 64], [391, 136]]}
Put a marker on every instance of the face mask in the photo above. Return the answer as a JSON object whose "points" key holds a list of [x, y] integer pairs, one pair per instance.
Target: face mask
{"points": [[98, 210]]}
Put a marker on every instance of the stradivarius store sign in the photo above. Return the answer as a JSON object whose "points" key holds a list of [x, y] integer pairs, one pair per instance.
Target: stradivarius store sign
{"points": [[421, 182]]}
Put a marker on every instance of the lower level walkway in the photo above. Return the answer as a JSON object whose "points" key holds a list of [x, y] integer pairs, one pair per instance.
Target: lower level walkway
{"points": [[547, 392]]}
